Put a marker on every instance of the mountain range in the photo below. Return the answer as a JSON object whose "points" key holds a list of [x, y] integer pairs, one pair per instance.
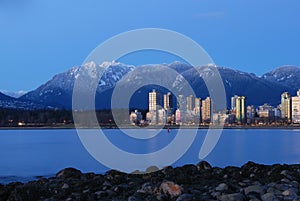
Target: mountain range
{"points": [[57, 92]]}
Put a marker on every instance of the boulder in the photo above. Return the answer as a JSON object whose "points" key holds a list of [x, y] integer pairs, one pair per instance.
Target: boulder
{"points": [[170, 188], [69, 173]]}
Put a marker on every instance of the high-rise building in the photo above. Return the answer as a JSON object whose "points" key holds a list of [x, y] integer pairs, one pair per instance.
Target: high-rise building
{"points": [[240, 109], [250, 112], [233, 103], [197, 106], [296, 108], [154, 100], [178, 117], [286, 106], [162, 116], [190, 103], [181, 102], [206, 110], [168, 103]]}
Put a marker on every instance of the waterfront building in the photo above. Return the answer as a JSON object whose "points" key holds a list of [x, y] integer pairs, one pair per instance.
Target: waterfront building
{"points": [[266, 111], [250, 112], [168, 103], [135, 117], [181, 103], [162, 116], [190, 103], [154, 100], [240, 109], [286, 106], [233, 103], [178, 117], [206, 110], [296, 108]]}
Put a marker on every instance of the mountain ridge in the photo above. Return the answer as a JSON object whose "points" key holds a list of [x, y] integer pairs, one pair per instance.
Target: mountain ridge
{"points": [[57, 92]]}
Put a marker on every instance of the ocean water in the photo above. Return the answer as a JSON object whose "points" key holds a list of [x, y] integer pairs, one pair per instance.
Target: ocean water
{"points": [[27, 154]]}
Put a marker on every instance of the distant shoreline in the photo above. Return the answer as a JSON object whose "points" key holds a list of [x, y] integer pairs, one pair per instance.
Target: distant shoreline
{"points": [[148, 127]]}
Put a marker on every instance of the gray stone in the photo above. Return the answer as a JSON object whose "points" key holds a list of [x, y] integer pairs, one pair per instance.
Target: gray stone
{"points": [[69, 173], [254, 189], [268, 197], [215, 194], [295, 184], [285, 180], [152, 169], [274, 191], [222, 187], [282, 187], [132, 198], [162, 197], [184, 197], [232, 197], [203, 165], [254, 199], [65, 186], [146, 188], [290, 192]]}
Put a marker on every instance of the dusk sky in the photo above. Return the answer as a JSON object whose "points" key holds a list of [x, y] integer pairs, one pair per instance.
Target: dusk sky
{"points": [[40, 38]]}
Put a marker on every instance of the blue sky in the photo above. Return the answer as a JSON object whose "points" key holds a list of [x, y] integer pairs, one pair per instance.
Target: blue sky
{"points": [[40, 38]]}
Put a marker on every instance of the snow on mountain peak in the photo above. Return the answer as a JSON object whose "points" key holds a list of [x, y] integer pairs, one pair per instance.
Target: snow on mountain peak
{"points": [[107, 64], [90, 64], [14, 94]]}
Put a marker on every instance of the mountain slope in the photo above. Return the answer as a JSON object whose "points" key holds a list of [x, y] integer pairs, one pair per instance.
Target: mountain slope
{"points": [[5, 97], [58, 91], [285, 75], [258, 90]]}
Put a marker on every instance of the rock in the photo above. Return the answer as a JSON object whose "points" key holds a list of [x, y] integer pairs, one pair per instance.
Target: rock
{"points": [[290, 192], [254, 189], [285, 180], [222, 187], [203, 165], [184, 197], [215, 194], [162, 197], [170, 188], [254, 199], [268, 197], [100, 194], [65, 186], [295, 184], [69, 173], [152, 169], [232, 197], [132, 198], [146, 188]]}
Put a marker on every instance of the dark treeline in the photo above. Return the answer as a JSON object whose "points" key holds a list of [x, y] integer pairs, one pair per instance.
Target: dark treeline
{"points": [[48, 117], [11, 117]]}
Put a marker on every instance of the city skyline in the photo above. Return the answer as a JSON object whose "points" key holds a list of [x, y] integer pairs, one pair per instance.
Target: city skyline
{"points": [[43, 38], [192, 110]]}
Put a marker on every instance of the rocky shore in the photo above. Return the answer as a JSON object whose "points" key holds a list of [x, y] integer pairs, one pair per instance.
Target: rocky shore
{"points": [[191, 182]]}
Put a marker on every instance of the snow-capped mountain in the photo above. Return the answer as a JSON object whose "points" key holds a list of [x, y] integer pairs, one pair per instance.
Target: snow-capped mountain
{"points": [[58, 91], [257, 90], [14, 94], [14, 103], [5, 97], [285, 75]]}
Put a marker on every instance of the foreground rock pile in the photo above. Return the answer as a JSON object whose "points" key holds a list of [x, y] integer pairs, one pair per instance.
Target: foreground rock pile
{"points": [[201, 182]]}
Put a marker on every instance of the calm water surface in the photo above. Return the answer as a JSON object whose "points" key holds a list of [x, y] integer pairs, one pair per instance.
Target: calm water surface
{"points": [[25, 154]]}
